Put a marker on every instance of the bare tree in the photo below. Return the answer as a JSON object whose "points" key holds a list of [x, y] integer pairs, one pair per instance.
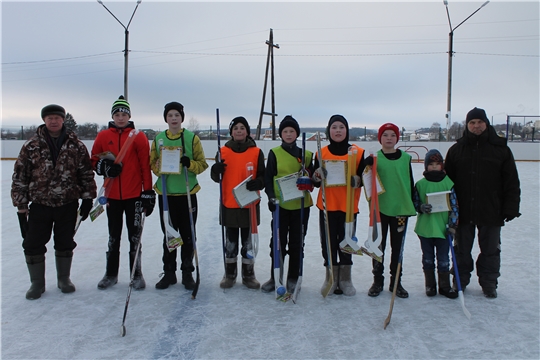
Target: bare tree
{"points": [[193, 125]]}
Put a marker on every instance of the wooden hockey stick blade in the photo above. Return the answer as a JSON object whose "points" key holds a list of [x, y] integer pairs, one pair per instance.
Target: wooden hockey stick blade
{"points": [[328, 287], [387, 320]]}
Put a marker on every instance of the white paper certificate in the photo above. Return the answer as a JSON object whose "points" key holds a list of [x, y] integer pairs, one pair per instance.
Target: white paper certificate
{"points": [[367, 180], [170, 160], [288, 189], [243, 196], [335, 172], [439, 201]]}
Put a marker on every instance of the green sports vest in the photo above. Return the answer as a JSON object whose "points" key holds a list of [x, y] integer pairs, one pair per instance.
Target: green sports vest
{"points": [[396, 179], [287, 164], [432, 225]]}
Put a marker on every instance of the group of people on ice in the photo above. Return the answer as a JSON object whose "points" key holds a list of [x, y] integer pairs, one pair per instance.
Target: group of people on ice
{"points": [[54, 170]]}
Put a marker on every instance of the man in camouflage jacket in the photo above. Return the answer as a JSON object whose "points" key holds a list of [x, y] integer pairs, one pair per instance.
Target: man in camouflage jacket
{"points": [[53, 171]]}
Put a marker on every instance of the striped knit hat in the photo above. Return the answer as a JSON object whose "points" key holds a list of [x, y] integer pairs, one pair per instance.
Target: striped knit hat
{"points": [[121, 105]]}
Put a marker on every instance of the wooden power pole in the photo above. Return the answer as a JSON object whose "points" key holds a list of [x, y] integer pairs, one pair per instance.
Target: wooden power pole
{"points": [[269, 63]]}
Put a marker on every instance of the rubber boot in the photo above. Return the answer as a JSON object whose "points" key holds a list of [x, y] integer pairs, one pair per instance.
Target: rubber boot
{"points": [[36, 268], [169, 278], [431, 283], [444, 285], [400, 291], [248, 274], [231, 271], [345, 282], [63, 270], [335, 271], [138, 279], [111, 273], [270, 285]]}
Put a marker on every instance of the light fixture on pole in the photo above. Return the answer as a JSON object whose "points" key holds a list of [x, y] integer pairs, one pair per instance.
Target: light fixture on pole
{"points": [[126, 44], [450, 55]]}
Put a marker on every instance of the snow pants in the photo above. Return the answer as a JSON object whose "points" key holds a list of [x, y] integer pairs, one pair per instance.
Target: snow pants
{"points": [[336, 226]]}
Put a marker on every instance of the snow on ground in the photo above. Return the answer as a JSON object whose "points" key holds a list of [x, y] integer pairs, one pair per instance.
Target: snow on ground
{"points": [[247, 324]]}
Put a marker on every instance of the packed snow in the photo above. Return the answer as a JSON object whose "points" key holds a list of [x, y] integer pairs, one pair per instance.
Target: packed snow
{"points": [[247, 324]]}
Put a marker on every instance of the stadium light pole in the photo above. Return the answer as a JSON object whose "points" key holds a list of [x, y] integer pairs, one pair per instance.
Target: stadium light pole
{"points": [[126, 43], [450, 56]]}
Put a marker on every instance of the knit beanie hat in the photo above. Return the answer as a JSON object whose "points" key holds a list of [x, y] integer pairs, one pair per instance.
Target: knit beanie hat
{"points": [[433, 155], [236, 120], [289, 121], [477, 113], [121, 105], [337, 118], [173, 106], [53, 109], [388, 126]]}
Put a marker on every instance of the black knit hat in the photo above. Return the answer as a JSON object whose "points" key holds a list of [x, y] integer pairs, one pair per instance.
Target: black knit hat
{"points": [[53, 109], [173, 106], [289, 121], [337, 118], [477, 113], [433, 155], [239, 119], [121, 105]]}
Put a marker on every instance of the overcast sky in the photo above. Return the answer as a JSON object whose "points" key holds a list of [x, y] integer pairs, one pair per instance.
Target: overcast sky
{"points": [[372, 62]]}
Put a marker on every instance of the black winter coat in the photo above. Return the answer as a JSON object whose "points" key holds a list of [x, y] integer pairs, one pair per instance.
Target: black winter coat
{"points": [[485, 178]]}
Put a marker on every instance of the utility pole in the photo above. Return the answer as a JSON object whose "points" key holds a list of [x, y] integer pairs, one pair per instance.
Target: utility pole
{"points": [[269, 63]]}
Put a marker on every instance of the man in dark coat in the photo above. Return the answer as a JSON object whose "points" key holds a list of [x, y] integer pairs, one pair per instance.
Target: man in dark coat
{"points": [[484, 172]]}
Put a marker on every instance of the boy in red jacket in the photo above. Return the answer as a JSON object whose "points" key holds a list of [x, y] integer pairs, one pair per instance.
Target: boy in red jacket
{"points": [[130, 192]]}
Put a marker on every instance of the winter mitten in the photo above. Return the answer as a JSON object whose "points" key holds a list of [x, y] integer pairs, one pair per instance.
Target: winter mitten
{"points": [[218, 168], [356, 182], [319, 175], [303, 183], [252, 185], [426, 208], [107, 168], [368, 160], [84, 209], [148, 198], [271, 206], [185, 161], [23, 222]]}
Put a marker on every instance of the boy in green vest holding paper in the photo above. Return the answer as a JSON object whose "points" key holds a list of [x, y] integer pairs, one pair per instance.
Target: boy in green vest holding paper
{"points": [[432, 225]]}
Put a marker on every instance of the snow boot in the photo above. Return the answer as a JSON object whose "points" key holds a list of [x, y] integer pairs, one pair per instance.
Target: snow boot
{"points": [[377, 286], [248, 274], [111, 273], [187, 280], [335, 271], [270, 285], [400, 291], [444, 285], [231, 271], [345, 282], [138, 279], [169, 278], [63, 270], [490, 293], [431, 283], [36, 268]]}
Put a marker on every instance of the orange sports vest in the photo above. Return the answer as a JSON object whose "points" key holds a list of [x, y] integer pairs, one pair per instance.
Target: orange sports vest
{"points": [[236, 171]]}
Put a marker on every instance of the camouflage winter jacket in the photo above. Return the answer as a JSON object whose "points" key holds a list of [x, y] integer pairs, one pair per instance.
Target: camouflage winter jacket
{"points": [[37, 179]]}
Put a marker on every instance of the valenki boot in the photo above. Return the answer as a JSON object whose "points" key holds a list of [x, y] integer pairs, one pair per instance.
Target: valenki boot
{"points": [[231, 271], [335, 271], [345, 282], [248, 274]]}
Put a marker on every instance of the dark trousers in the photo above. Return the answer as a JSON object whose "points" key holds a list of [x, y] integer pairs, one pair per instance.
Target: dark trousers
{"points": [[336, 227], [179, 214], [432, 247], [132, 208], [488, 263], [43, 220], [396, 239], [231, 242]]}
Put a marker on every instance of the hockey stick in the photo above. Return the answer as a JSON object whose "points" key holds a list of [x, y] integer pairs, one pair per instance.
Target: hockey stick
{"points": [[458, 281], [396, 281], [252, 254], [174, 239], [280, 290], [371, 245], [192, 226], [330, 284], [302, 232], [350, 243], [223, 243], [132, 276]]}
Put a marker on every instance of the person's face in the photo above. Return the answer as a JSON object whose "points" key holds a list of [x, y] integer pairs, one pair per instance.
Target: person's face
{"points": [[174, 119], [288, 135], [434, 166], [338, 131], [239, 132], [54, 124], [120, 119], [388, 139], [476, 126]]}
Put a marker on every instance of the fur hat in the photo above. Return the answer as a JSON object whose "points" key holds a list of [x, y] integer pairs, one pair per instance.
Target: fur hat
{"points": [[289, 121], [53, 109], [121, 105], [433, 155], [173, 106], [477, 113], [239, 119], [388, 126]]}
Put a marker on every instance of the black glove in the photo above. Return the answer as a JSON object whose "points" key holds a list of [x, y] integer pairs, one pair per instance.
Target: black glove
{"points": [[84, 209], [356, 182], [23, 223], [368, 160], [185, 161], [252, 185], [108, 168], [271, 206], [426, 208], [219, 167], [148, 198]]}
